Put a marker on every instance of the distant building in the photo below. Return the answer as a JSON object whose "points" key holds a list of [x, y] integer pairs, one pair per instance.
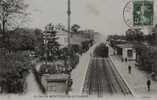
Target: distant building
{"points": [[55, 83], [62, 38], [78, 38], [126, 51]]}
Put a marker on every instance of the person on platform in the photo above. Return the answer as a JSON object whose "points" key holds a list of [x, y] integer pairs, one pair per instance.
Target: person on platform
{"points": [[148, 84], [69, 83], [129, 69]]}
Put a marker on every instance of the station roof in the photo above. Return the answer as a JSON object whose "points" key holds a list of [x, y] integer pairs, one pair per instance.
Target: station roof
{"points": [[51, 77], [127, 45]]}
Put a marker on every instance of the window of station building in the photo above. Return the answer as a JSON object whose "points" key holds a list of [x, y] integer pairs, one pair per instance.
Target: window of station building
{"points": [[65, 39], [51, 86], [130, 53]]}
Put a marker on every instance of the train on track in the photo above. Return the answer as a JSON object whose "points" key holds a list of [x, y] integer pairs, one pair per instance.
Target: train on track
{"points": [[101, 50]]}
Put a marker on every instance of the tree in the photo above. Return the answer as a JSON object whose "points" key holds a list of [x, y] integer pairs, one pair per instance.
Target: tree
{"points": [[14, 69], [22, 39], [152, 39], [70, 58], [146, 57], [52, 45], [11, 11], [75, 28], [38, 42], [59, 27], [134, 35]]}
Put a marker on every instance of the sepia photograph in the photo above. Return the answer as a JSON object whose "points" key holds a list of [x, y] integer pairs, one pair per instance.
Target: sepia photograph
{"points": [[78, 49]]}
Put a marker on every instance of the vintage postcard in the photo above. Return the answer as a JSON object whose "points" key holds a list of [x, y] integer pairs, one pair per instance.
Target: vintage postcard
{"points": [[78, 49]]}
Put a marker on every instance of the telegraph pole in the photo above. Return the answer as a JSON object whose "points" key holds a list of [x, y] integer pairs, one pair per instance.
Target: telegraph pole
{"points": [[69, 35], [69, 28], [69, 21]]}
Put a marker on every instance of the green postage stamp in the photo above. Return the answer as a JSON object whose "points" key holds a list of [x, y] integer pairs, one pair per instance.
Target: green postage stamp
{"points": [[143, 12]]}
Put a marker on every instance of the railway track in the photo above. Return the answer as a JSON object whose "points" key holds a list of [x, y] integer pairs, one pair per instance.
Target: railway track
{"points": [[121, 86], [96, 80], [103, 78]]}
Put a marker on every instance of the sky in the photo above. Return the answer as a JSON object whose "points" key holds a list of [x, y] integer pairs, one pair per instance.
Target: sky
{"points": [[104, 16]]}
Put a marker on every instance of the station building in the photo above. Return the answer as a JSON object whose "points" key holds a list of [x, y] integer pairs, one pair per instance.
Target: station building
{"points": [[55, 83], [126, 51]]}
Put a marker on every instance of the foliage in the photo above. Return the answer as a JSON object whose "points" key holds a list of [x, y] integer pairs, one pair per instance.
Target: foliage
{"points": [[137, 35], [51, 69], [152, 37], [66, 53], [76, 48], [75, 28], [38, 37], [59, 27], [21, 39], [86, 44], [86, 33], [74, 60], [52, 46], [24, 39], [11, 11], [70, 60], [14, 69], [71, 57], [147, 58], [134, 35]]}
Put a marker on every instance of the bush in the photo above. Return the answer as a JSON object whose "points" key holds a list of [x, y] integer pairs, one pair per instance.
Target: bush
{"points": [[51, 69], [76, 48], [74, 61], [85, 45], [14, 69], [147, 58]]}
